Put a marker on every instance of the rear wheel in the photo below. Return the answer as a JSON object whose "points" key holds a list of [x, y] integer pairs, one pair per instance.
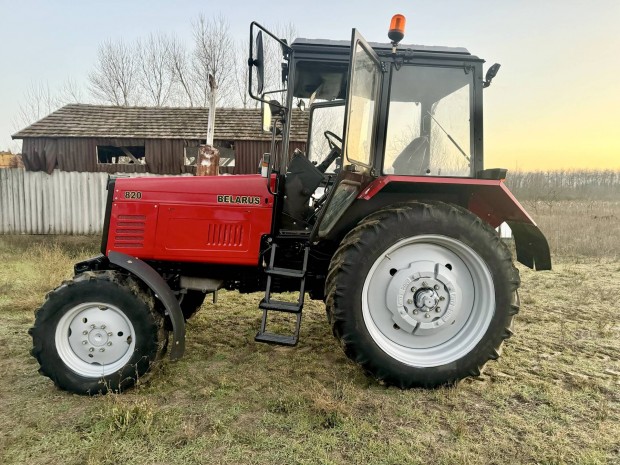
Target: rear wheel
{"points": [[422, 294], [99, 332]]}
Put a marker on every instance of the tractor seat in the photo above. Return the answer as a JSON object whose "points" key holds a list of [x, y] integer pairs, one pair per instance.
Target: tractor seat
{"points": [[414, 157]]}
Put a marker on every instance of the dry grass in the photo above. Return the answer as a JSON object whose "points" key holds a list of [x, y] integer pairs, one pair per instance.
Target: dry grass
{"points": [[552, 398], [579, 228]]}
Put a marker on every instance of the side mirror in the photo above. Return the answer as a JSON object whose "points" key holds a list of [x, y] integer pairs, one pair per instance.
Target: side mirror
{"points": [[491, 73], [264, 63], [259, 62]]}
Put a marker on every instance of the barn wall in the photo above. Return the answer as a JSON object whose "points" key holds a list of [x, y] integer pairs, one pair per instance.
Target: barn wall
{"points": [[163, 156]]}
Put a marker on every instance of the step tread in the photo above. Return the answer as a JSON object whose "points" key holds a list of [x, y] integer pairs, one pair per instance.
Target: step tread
{"points": [[292, 233], [280, 306], [273, 338], [288, 272]]}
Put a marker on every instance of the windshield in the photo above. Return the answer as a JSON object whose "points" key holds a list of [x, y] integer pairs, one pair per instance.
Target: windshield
{"points": [[429, 126]]}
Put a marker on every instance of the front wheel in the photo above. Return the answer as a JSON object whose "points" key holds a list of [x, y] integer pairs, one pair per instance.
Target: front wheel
{"points": [[191, 303], [422, 294], [99, 332]]}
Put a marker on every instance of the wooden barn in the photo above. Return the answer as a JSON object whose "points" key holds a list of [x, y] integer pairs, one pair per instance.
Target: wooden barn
{"points": [[96, 138]]}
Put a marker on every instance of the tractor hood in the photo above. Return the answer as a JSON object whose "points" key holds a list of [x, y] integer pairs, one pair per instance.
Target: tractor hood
{"points": [[208, 219]]}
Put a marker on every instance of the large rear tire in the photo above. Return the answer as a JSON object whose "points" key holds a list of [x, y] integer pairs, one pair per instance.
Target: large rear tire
{"points": [[422, 294], [99, 332]]}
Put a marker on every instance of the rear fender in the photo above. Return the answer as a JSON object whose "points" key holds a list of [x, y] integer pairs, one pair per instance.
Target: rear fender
{"points": [[490, 199]]}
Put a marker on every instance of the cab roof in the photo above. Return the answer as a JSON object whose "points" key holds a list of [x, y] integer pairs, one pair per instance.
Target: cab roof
{"points": [[340, 46], [322, 64]]}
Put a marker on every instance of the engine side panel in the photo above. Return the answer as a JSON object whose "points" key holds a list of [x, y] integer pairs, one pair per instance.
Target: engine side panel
{"points": [[217, 219]]}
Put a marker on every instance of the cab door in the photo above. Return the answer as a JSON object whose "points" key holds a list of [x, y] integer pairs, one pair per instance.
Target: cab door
{"points": [[360, 133]]}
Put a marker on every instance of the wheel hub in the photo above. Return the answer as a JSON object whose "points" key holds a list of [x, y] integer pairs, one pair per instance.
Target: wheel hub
{"points": [[426, 299], [422, 296], [98, 337], [95, 339]]}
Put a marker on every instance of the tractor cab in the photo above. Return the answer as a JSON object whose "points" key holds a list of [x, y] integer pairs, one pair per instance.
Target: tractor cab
{"points": [[375, 110]]}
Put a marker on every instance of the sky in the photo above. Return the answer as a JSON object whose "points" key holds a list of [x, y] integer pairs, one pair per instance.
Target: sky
{"points": [[555, 103]]}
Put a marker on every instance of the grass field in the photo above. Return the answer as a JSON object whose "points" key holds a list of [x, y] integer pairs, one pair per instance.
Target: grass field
{"points": [[552, 398]]}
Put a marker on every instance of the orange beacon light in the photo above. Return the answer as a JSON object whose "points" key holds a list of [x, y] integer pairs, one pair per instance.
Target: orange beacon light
{"points": [[397, 29]]}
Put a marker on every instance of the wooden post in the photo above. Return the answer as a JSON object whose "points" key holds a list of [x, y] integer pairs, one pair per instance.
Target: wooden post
{"points": [[208, 162]]}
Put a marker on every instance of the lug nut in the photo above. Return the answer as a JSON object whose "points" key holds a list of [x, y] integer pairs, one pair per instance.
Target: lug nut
{"points": [[109, 334], [436, 287], [424, 284], [102, 350], [415, 312], [438, 309], [109, 343], [102, 326], [426, 315], [413, 289], [84, 333], [92, 349], [409, 301], [92, 326], [84, 342], [442, 298]]}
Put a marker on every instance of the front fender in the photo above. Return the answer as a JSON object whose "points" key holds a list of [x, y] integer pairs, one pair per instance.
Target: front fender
{"points": [[162, 291]]}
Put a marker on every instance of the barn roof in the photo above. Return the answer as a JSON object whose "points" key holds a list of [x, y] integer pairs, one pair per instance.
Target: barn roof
{"points": [[80, 120]]}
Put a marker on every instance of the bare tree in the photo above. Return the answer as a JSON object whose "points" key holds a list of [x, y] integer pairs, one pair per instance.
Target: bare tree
{"points": [[213, 52], [70, 92], [38, 101], [241, 76], [115, 78], [155, 74], [179, 65], [286, 31]]}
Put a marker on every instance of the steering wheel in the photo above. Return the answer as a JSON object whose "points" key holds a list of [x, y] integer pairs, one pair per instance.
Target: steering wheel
{"points": [[335, 150], [332, 139]]}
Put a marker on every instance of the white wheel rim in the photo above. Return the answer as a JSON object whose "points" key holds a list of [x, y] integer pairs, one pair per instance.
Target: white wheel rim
{"points": [[428, 300], [95, 339]]}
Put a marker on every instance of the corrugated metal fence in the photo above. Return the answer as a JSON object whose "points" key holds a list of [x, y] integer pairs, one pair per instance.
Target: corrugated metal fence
{"points": [[60, 203]]}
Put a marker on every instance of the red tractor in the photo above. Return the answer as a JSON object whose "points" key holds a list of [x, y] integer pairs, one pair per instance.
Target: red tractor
{"points": [[390, 218]]}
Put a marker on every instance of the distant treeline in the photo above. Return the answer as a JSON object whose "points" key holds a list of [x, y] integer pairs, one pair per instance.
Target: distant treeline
{"points": [[565, 185]]}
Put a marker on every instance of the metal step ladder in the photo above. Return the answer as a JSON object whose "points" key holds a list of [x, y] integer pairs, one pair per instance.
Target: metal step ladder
{"points": [[268, 304]]}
